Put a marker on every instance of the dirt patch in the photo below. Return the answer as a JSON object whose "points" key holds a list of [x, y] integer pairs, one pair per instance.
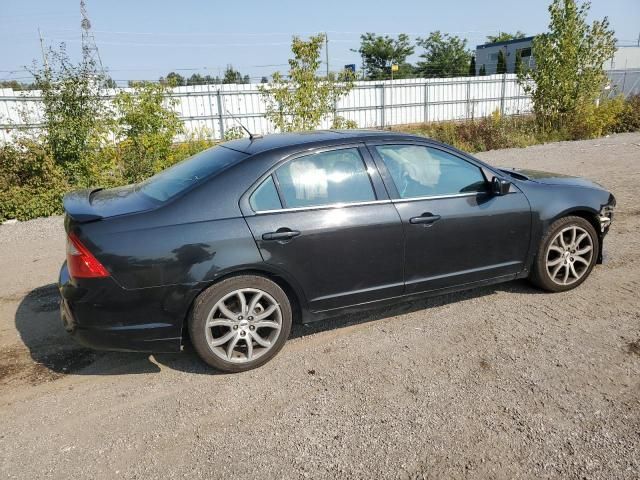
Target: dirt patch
{"points": [[17, 366], [634, 347]]}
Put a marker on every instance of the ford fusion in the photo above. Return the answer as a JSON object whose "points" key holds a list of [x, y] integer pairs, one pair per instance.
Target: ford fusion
{"points": [[234, 244]]}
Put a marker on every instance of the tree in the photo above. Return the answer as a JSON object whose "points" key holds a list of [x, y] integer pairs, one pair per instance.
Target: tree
{"points": [[518, 67], [472, 66], [145, 126], [109, 82], [501, 67], [483, 71], [505, 37], [264, 80], [569, 72], [304, 100], [74, 116], [379, 53], [444, 56], [232, 75], [173, 79]]}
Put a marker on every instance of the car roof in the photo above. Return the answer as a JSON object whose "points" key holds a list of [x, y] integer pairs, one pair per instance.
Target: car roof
{"points": [[330, 137]]}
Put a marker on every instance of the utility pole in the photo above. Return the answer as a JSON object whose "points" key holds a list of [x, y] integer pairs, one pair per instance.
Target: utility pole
{"points": [[326, 52], [44, 55], [90, 55]]}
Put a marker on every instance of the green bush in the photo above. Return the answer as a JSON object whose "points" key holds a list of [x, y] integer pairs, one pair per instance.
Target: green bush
{"points": [[592, 121], [31, 183], [629, 118]]}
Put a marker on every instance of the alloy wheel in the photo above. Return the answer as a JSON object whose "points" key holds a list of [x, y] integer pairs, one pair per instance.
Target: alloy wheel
{"points": [[569, 255], [243, 325]]}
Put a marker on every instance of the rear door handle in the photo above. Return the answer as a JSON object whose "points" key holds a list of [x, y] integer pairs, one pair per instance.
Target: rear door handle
{"points": [[281, 234], [425, 218]]}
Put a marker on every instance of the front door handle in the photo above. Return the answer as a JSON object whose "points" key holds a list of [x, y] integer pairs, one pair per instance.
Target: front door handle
{"points": [[281, 234], [426, 218]]}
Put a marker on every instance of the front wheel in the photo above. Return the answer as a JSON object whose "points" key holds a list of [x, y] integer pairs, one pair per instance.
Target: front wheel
{"points": [[567, 254], [240, 323]]}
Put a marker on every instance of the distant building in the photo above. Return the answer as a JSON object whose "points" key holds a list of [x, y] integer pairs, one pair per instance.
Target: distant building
{"points": [[625, 58], [487, 54]]}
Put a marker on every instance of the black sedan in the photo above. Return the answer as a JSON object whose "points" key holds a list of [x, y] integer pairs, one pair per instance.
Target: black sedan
{"points": [[234, 244]]}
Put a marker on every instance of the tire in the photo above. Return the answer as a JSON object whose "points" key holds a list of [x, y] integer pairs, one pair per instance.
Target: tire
{"points": [[571, 262], [252, 338]]}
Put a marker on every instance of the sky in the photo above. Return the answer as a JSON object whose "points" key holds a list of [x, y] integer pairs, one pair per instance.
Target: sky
{"points": [[144, 39]]}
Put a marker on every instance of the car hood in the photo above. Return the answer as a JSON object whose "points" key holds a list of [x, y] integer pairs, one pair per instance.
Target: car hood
{"points": [[549, 178]]}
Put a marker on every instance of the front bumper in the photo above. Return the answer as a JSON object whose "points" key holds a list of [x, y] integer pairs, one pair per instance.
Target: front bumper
{"points": [[101, 314]]}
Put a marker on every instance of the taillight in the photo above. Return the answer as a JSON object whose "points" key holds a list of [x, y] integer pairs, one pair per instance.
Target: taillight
{"points": [[81, 262]]}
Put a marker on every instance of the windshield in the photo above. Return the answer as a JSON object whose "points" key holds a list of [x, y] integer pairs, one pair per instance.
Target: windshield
{"points": [[189, 172]]}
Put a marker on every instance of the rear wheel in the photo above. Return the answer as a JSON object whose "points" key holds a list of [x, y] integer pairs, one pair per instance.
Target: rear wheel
{"points": [[566, 256], [240, 323]]}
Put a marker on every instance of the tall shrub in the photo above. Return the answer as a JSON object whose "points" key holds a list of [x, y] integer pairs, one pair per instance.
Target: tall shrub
{"points": [[569, 60], [303, 100]]}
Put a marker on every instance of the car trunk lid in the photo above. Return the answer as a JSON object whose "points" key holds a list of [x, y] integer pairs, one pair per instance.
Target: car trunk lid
{"points": [[93, 204]]}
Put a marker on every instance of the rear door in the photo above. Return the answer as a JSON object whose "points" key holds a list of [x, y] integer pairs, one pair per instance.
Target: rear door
{"points": [[326, 220], [457, 232]]}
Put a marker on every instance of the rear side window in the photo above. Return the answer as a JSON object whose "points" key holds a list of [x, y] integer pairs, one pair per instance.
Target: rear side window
{"points": [[181, 176], [337, 176], [265, 197], [419, 171]]}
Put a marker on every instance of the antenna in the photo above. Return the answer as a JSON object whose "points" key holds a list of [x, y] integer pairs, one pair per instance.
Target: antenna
{"points": [[251, 135], [90, 52]]}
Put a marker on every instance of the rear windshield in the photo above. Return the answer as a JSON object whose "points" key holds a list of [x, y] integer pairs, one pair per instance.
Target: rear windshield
{"points": [[189, 172]]}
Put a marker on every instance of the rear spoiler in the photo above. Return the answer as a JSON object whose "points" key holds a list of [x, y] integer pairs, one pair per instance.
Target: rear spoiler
{"points": [[78, 205]]}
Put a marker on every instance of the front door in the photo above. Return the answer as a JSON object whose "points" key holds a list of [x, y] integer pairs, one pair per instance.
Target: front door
{"points": [[457, 232], [319, 218]]}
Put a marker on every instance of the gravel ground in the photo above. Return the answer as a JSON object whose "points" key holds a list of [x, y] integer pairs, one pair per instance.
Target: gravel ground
{"points": [[498, 382]]}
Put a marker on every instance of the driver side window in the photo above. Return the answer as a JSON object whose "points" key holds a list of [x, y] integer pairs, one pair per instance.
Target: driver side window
{"points": [[420, 171]]}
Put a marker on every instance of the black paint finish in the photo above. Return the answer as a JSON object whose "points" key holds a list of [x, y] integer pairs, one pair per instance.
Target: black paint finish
{"points": [[162, 255]]}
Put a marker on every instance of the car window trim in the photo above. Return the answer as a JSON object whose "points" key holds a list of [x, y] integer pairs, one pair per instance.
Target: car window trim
{"points": [[276, 185], [387, 178], [362, 151], [324, 207]]}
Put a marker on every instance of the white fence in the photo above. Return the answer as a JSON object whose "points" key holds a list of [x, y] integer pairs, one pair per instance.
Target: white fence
{"points": [[211, 108]]}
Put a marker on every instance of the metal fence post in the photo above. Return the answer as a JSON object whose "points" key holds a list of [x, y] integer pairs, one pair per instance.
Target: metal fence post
{"points": [[213, 124], [383, 107], [504, 82], [426, 102], [220, 116], [468, 99]]}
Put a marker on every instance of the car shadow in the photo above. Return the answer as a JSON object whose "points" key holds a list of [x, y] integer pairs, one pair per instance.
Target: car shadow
{"points": [[37, 320]]}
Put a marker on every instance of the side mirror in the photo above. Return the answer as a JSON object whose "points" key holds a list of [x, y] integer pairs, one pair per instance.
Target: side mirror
{"points": [[500, 186]]}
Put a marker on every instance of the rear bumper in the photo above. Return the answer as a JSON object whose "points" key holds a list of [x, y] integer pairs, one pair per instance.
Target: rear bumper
{"points": [[101, 314]]}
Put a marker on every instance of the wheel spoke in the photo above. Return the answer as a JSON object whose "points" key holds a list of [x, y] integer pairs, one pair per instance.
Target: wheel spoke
{"points": [[267, 312], [220, 322], [574, 233], [555, 248], [566, 274], [249, 347], [556, 270], [226, 312], [552, 263], [254, 301], [584, 250], [573, 271], [561, 240], [259, 340], [243, 302], [581, 260], [231, 346], [581, 238], [266, 324], [223, 339]]}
